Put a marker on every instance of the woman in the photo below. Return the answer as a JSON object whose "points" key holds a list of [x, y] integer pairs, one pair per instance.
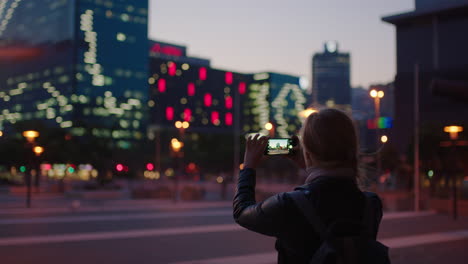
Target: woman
{"points": [[328, 150]]}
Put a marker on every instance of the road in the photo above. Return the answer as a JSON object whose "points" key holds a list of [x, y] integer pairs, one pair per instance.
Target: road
{"points": [[193, 233]]}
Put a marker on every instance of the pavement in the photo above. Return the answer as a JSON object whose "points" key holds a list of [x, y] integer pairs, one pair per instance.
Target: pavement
{"points": [[155, 231]]}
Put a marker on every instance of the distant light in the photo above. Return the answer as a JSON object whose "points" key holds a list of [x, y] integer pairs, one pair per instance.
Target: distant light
{"points": [[228, 119], [268, 126], [30, 134], [185, 66], [228, 102], [202, 73], [384, 139], [453, 131], [172, 68], [307, 112], [215, 118], [219, 179], [1, 133], [169, 113], [380, 94], [150, 166], [373, 93], [191, 89], [161, 85], [242, 88], [331, 46], [261, 76], [430, 173], [38, 150], [121, 37], [303, 83], [23, 168], [119, 167], [207, 99], [185, 124], [71, 170], [228, 77], [187, 114], [178, 124]]}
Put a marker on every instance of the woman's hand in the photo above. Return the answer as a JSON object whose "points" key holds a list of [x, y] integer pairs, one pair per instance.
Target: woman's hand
{"points": [[254, 150], [297, 154]]}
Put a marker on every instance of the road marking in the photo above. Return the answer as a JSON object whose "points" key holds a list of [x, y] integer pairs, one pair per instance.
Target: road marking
{"points": [[114, 217], [156, 232], [392, 243]]}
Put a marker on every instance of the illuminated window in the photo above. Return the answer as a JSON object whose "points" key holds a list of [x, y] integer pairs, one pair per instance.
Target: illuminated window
{"points": [[228, 77], [187, 114], [242, 88], [121, 36], [228, 102], [172, 68], [208, 99], [191, 89], [228, 119], [169, 113], [161, 85], [215, 118], [202, 73]]}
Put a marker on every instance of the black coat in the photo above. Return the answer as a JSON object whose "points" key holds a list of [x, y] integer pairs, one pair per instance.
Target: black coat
{"points": [[334, 194]]}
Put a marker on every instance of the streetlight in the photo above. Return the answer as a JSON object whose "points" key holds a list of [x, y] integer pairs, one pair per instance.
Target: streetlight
{"points": [[377, 95], [453, 132], [384, 139], [176, 146], [269, 126], [31, 136], [38, 150]]}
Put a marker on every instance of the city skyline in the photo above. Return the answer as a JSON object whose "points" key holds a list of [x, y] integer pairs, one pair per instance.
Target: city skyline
{"points": [[264, 41]]}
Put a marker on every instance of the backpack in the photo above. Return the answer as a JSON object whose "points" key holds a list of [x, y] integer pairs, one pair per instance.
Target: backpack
{"points": [[339, 249]]}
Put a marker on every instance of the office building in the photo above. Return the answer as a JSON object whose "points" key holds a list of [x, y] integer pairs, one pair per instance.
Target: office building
{"points": [[331, 77], [430, 46], [277, 99], [80, 65]]}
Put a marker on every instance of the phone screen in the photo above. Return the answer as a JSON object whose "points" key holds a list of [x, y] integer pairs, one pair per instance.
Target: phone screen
{"points": [[279, 146]]}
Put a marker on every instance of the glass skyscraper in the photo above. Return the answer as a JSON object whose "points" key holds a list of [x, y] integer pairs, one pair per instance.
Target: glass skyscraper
{"points": [[80, 65]]}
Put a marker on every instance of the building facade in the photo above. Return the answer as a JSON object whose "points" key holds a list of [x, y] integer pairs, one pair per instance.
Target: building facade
{"points": [[79, 65], [331, 76], [277, 99], [429, 47]]}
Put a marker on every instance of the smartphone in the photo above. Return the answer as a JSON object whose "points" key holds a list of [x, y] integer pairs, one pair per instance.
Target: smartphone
{"points": [[279, 146]]}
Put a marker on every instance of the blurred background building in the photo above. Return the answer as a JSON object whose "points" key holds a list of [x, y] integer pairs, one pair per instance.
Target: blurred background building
{"points": [[78, 65], [331, 77], [430, 46]]}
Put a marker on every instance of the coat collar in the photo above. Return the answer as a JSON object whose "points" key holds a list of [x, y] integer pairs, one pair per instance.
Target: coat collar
{"points": [[315, 172]]}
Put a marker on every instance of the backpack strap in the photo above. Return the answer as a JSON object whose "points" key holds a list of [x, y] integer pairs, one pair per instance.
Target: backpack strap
{"points": [[367, 217], [307, 209]]}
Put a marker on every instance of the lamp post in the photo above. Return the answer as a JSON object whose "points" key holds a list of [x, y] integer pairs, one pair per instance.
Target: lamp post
{"points": [[31, 136], [176, 147], [377, 95], [453, 132]]}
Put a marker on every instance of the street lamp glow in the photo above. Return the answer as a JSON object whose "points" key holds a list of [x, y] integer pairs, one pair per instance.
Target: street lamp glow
{"points": [[380, 94], [38, 150], [185, 124], [268, 126], [384, 139], [307, 112], [373, 93], [176, 145], [178, 124], [30, 135], [453, 131]]}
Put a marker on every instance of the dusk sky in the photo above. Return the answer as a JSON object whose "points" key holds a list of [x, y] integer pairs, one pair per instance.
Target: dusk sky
{"points": [[282, 36]]}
